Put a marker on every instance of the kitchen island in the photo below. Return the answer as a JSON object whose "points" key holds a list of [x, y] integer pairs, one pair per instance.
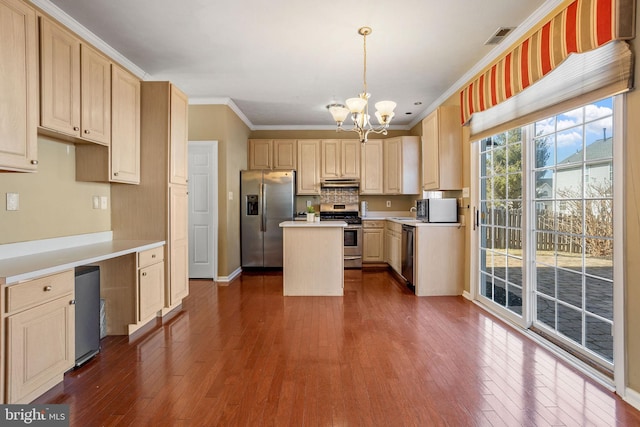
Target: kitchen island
{"points": [[313, 258]]}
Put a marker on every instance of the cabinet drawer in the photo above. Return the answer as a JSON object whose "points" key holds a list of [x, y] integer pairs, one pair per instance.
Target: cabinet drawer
{"points": [[150, 256], [38, 291], [372, 224]]}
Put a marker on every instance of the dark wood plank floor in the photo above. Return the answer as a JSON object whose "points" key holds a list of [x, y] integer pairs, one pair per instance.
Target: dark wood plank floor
{"points": [[244, 355]]}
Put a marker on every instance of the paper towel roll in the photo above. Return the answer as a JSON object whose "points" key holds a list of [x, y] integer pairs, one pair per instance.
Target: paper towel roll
{"points": [[363, 208]]}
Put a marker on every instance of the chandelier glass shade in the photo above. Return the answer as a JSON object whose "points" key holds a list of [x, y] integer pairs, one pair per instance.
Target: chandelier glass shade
{"points": [[358, 107]]}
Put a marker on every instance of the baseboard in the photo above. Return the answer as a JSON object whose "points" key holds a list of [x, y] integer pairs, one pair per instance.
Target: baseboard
{"points": [[632, 397], [229, 278], [467, 295]]}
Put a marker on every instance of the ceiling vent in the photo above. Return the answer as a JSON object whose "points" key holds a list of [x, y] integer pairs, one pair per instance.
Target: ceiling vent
{"points": [[499, 35]]}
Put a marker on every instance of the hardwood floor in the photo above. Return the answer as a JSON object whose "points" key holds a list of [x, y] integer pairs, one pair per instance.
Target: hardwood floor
{"points": [[244, 355]]}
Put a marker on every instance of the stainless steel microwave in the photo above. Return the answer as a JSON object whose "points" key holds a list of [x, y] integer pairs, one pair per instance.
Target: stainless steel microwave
{"points": [[437, 210]]}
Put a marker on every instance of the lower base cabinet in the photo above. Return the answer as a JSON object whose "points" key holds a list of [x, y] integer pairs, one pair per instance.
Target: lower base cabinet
{"points": [[393, 239], [40, 335], [373, 241], [150, 283]]}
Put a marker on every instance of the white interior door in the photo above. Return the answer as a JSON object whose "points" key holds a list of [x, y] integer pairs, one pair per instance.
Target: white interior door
{"points": [[203, 209]]}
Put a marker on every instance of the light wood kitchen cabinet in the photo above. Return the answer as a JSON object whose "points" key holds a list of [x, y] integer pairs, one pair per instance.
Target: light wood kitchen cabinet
{"points": [[371, 181], [119, 161], [179, 158], [278, 154], [393, 239], [402, 165], [179, 242], [157, 210], [125, 126], [150, 283], [40, 315], [18, 87], [75, 86], [340, 159], [260, 153], [442, 150], [438, 260], [373, 240], [308, 173]]}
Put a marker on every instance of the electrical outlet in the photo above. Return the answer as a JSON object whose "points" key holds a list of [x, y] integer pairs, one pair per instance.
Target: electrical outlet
{"points": [[13, 201], [388, 203], [230, 195], [308, 203], [96, 202], [103, 202]]}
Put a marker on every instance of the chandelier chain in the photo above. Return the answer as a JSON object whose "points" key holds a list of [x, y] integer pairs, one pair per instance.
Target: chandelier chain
{"points": [[364, 74]]}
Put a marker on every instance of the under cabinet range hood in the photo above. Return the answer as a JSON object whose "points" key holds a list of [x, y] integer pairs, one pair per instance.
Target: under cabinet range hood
{"points": [[340, 183]]}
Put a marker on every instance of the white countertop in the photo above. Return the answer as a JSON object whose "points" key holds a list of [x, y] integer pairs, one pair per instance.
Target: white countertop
{"points": [[307, 224], [407, 220], [20, 268]]}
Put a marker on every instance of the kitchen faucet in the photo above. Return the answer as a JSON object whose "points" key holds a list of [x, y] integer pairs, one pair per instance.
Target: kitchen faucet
{"points": [[413, 209]]}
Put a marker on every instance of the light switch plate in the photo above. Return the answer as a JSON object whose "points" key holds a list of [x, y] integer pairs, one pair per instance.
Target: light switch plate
{"points": [[103, 202], [13, 201], [96, 202], [465, 192]]}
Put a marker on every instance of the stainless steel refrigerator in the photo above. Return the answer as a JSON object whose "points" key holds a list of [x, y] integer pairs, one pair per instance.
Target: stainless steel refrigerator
{"points": [[267, 198]]}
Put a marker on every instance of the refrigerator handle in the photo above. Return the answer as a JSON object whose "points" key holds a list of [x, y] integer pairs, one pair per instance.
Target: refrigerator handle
{"points": [[263, 200]]}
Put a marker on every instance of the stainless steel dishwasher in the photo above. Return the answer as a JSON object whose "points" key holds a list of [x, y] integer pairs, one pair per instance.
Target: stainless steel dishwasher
{"points": [[408, 251]]}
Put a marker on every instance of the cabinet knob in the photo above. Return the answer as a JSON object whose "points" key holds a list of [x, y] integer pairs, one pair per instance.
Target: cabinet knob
{"points": [[72, 302], [86, 131], [144, 274], [76, 128], [48, 288], [153, 255], [115, 174], [34, 162]]}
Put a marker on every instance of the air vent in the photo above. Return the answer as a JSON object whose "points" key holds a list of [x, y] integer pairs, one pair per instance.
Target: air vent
{"points": [[499, 35]]}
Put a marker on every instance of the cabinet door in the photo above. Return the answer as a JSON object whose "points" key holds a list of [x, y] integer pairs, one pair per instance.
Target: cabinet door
{"points": [[393, 166], [330, 158], [95, 96], [350, 158], [373, 245], [125, 124], [151, 290], [371, 169], [178, 157], [308, 176], [178, 245], [285, 154], [50, 327], [430, 163], [59, 79], [260, 153], [18, 87]]}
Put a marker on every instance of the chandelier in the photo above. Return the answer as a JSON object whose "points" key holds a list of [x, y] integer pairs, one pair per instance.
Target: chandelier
{"points": [[359, 107]]}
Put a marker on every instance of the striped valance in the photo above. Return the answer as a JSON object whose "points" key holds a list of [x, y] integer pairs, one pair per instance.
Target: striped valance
{"points": [[582, 26]]}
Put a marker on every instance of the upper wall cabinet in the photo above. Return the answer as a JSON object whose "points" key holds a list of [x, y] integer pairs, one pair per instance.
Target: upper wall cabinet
{"points": [[18, 87], [402, 165], [308, 173], [179, 157], [390, 166], [120, 161], [75, 92], [340, 158], [278, 154], [442, 150]]}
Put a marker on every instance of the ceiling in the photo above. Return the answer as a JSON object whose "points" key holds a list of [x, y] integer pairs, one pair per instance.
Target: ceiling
{"points": [[279, 63]]}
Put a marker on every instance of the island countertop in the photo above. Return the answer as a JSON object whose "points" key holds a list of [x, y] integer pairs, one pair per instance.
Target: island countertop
{"points": [[309, 224]]}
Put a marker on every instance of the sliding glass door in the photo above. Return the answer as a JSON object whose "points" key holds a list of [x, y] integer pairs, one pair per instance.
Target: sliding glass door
{"points": [[546, 213]]}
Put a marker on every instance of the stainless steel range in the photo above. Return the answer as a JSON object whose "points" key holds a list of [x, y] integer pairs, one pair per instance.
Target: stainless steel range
{"points": [[347, 212]]}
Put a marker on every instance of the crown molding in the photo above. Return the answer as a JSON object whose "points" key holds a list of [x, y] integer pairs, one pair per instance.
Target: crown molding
{"points": [[62, 17], [224, 101], [508, 42]]}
